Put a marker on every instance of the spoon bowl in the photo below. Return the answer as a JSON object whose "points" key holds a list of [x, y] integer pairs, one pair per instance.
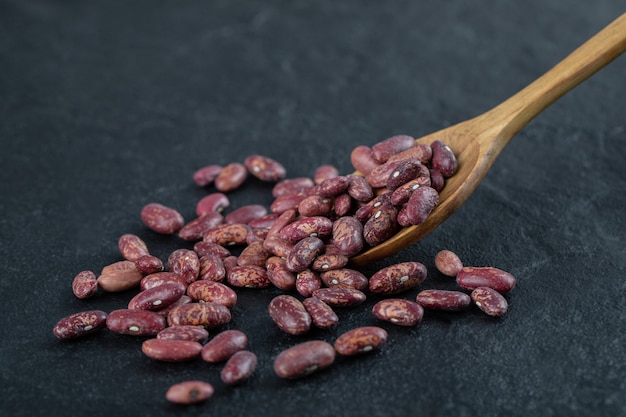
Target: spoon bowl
{"points": [[478, 142]]}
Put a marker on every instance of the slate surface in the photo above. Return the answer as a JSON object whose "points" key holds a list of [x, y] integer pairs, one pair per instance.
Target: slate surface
{"points": [[106, 106]]}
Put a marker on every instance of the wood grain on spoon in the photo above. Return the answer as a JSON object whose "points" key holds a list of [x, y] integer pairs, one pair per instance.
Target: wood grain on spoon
{"points": [[478, 142]]}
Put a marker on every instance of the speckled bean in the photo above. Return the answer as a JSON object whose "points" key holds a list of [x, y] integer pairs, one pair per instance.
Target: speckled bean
{"points": [[307, 282], [291, 186], [315, 205], [443, 159], [211, 291], [381, 225], [119, 276], [333, 186], [227, 234], [384, 149], [474, 277], [85, 284], [362, 160], [421, 151], [345, 278], [448, 263], [340, 297], [223, 345], [421, 203], [360, 340], [304, 359], [490, 301], [206, 175], [185, 263], [399, 311], [279, 274], [265, 168], [289, 314], [379, 175], [408, 170], [397, 278], [149, 264], [135, 322], [210, 248], [171, 350], [437, 180], [157, 298], [245, 214], [359, 188], [329, 261], [189, 392], [239, 368], [250, 276], [347, 235], [212, 203], [209, 314], [132, 247], [317, 226], [193, 333], [343, 204], [253, 254], [287, 202], [159, 278], [322, 315], [304, 253], [196, 228], [231, 177], [80, 324], [211, 268], [162, 219], [445, 300]]}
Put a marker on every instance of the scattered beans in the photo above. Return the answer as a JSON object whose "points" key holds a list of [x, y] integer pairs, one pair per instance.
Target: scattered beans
{"points": [[85, 284], [132, 247], [80, 324], [399, 311], [474, 277], [360, 340], [304, 359], [189, 392], [162, 219], [444, 300]]}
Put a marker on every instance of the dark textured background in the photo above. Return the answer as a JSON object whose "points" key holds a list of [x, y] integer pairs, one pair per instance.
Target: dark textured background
{"points": [[106, 106]]}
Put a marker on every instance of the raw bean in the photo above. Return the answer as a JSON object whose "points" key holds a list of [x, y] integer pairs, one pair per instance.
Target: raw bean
{"points": [[211, 268], [420, 151], [391, 146], [189, 392], [265, 168], [287, 202], [245, 214], [399, 311], [340, 297], [329, 261], [160, 278], [291, 186], [223, 346], [307, 282], [193, 333], [365, 211], [489, 301], [249, 276], [277, 246], [448, 263], [148, 264], [185, 299], [304, 359], [289, 314], [347, 235], [135, 322], [324, 172], [227, 234], [157, 298], [213, 292], [264, 222], [345, 278], [304, 253], [256, 235], [132, 247], [185, 263], [210, 315], [474, 277], [360, 340], [317, 226], [239, 368], [322, 315], [362, 160], [421, 203], [397, 278], [359, 188], [443, 159], [343, 204], [408, 170], [80, 324], [437, 180], [195, 229], [231, 177], [443, 300], [84, 284], [206, 175], [315, 205], [379, 175], [162, 219], [171, 350], [253, 254], [119, 276], [333, 186], [282, 220], [402, 194], [210, 248], [279, 275], [229, 263], [212, 203], [381, 225]]}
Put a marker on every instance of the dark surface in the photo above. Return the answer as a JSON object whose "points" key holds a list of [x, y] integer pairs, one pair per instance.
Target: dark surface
{"points": [[106, 106]]}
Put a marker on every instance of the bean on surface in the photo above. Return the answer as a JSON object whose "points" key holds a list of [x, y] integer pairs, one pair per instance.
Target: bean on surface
{"points": [[189, 392], [304, 359], [80, 324]]}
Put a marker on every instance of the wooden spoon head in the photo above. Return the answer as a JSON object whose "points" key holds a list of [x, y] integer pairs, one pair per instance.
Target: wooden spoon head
{"points": [[456, 191]]}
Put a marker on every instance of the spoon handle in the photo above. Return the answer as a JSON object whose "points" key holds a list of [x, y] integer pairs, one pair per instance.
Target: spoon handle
{"points": [[513, 114]]}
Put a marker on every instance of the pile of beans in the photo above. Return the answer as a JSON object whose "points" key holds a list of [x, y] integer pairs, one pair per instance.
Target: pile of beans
{"points": [[302, 246]]}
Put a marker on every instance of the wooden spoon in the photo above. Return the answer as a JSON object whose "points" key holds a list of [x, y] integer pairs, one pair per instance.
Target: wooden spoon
{"points": [[477, 142]]}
